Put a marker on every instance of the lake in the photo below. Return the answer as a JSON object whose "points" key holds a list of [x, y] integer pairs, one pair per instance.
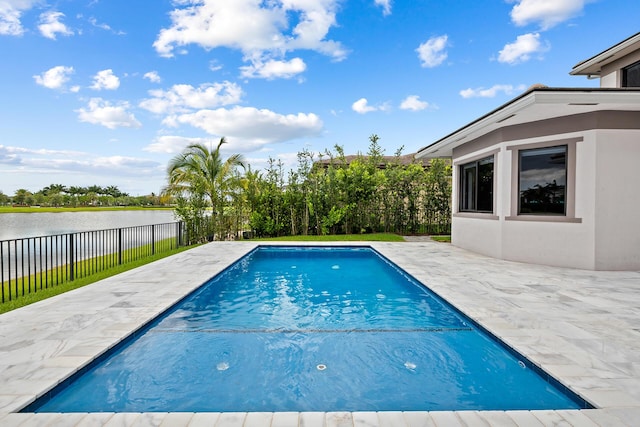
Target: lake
{"points": [[20, 225]]}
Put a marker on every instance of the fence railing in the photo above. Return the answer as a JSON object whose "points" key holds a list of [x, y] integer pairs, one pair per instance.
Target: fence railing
{"points": [[32, 264]]}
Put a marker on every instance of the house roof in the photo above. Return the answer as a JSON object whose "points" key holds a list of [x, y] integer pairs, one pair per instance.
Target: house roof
{"points": [[537, 103], [593, 66]]}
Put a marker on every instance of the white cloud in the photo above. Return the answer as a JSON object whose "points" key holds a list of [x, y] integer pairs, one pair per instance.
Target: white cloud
{"points": [[93, 21], [386, 6], [50, 25], [101, 112], [413, 103], [170, 144], [491, 92], [8, 156], [260, 29], [361, 106], [105, 79], [547, 13], [272, 69], [10, 14], [55, 77], [152, 76], [181, 98], [432, 52], [522, 49], [44, 160], [251, 124]]}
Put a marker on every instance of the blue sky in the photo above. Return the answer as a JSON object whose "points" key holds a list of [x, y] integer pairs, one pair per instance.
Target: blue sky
{"points": [[106, 92]]}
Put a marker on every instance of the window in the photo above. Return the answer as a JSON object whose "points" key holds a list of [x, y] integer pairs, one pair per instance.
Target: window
{"points": [[542, 181], [631, 75], [476, 186]]}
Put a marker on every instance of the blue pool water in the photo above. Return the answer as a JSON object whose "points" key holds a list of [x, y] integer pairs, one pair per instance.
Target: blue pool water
{"points": [[309, 329]]}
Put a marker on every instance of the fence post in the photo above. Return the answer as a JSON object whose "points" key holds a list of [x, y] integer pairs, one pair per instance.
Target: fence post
{"points": [[179, 233], [71, 258], [119, 246], [153, 239]]}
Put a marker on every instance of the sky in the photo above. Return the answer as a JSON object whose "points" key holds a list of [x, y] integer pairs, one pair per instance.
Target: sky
{"points": [[107, 92]]}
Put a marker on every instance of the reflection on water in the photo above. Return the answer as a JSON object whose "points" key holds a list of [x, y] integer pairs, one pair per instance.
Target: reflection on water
{"points": [[21, 225]]}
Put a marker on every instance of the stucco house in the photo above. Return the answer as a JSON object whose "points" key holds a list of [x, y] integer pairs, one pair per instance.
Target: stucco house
{"points": [[552, 177]]}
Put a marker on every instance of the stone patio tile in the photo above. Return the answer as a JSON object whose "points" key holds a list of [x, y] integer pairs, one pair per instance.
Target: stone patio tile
{"points": [[550, 418], [338, 419], [365, 419], [11, 420], [93, 420], [231, 419], [446, 419], [497, 418], [260, 419], [602, 418], [283, 419], [204, 419], [524, 419], [577, 418], [177, 419], [312, 419], [472, 418], [122, 419], [391, 419], [418, 419]]}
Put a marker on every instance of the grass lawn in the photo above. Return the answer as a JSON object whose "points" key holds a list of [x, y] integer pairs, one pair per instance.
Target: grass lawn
{"points": [[42, 294], [446, 239]]}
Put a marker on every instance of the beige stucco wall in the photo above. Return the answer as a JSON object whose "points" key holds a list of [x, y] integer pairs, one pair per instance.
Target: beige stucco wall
{"points": [[609, 80], [566, 244], [617, 200], [606, 234]]}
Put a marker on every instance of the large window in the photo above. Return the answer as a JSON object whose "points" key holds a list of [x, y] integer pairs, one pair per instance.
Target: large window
{"points": [[631, 75], [476, 186], [542, 181]]}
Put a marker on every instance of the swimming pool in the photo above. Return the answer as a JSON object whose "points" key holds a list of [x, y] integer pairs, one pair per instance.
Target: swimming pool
{"points": [[308, 329]]}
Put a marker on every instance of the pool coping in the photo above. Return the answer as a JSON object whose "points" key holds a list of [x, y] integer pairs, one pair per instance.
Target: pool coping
{"points": [[591, 344]]}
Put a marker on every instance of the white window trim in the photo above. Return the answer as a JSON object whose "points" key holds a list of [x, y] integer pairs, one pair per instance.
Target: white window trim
{"points": [[456, 205], [570, 196]]}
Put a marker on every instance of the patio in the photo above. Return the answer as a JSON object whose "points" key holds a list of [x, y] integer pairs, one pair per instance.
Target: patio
{"points": [[582, 327]]}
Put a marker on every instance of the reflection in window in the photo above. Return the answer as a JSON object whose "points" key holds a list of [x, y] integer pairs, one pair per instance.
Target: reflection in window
{"points": [[631, 75], [476, 186], [542, 181]]}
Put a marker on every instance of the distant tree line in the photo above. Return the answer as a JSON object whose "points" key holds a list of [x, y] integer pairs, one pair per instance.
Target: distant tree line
{"points": [[58, 195], [327, 193]]}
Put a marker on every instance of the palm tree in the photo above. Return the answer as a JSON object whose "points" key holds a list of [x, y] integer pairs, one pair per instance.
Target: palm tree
{"points": [[200, 170]]}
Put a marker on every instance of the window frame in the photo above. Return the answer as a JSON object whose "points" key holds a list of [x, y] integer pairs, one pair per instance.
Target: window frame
{"points": [[521, 154], [570, 188], [625, 71], [460, 167]]}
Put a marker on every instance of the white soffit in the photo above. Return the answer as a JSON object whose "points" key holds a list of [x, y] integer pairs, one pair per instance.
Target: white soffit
{"points": [[536, 105]]}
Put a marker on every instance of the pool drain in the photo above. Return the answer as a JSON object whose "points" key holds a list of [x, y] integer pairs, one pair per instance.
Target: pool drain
{"points": [[321, 367], [410, 365]]}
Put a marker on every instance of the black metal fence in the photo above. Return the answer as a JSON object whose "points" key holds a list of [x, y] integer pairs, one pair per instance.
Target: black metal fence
{"points": [[32, 264]]}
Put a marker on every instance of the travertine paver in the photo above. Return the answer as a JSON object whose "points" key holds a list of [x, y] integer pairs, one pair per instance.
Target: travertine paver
{"points": [[583, 327]]}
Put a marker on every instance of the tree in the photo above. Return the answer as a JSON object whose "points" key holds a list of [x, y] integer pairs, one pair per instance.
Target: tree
{"points": [[200, 171], [22, 197], [4, 199]]}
